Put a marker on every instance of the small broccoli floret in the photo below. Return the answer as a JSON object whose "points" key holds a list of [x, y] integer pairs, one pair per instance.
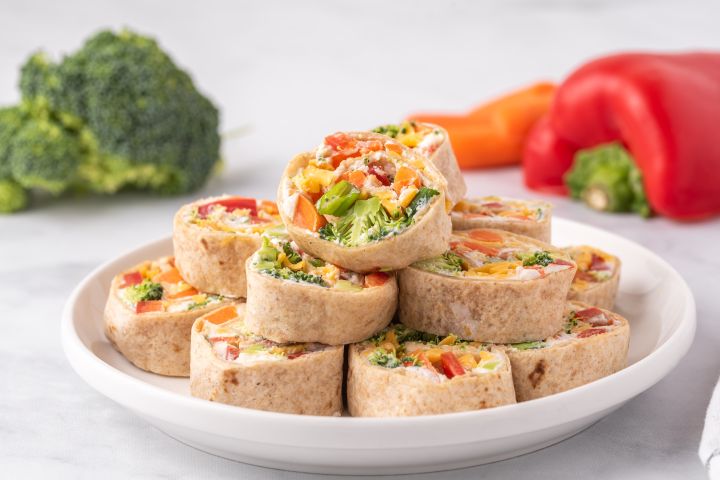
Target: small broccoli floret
{"points": [[606, 178], [44, 155], [389, 130], [296, 276], [448, 263], [144, 291], [541, 258], [383, 359], [13, 197]]}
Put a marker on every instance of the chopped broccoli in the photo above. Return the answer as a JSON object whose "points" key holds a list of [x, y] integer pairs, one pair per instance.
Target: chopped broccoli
{"points": [[448, 262], [383, 359], [296, 276], [144, 291], [389, 130], [291, 254], [528, 345], [422, 198], [606, 178], [205, 302], [116, 114], [541, 258], [368, 221]]}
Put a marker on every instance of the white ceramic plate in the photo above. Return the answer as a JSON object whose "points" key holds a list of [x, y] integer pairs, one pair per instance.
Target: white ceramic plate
{"points": [[653, 296]]}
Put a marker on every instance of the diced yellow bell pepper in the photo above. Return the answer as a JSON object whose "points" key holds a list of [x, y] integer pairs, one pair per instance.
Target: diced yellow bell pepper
{"points": [[468, 361], [484, 356], [449, 340], [433, 354], [392, 338], [406, 195], [389, 201], [313, 179]]}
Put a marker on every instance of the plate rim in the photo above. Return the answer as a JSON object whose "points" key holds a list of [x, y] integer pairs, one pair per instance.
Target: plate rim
{"points": [[634, 379]]}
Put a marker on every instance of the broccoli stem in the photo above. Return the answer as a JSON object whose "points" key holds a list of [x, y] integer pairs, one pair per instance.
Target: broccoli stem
{"points": [[607, 179]]}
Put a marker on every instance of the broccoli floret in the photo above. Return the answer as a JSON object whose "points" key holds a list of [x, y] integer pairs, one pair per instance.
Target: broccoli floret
{"points": [[541, 258], [136, 119], [448, 262], [606, 178], [296, 276], [422, 198], [368, 221], [44, 155], [13, 197], [383, 359], [389, 130], [144, 291]]}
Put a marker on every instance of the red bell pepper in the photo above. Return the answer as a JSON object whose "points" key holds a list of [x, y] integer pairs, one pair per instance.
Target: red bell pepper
{"points": [[230, 204], [451, 366], [662, 108]]}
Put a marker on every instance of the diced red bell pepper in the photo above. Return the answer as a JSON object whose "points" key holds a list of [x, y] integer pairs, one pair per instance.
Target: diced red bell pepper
{"points": [[231, 204], [584, 276], [590, 332], [593, 316], [379, 174], [146, 306], [130, 279], [598, 263], [479, 247], [659, 107], [232, 352], [450, 364]]}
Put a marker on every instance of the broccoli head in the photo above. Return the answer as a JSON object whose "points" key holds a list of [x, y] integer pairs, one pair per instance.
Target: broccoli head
{"points": [[116, 114], [150, 126]]}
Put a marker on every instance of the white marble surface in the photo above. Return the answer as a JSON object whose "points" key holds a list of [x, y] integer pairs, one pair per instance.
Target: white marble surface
{"points": [[286, 70]]}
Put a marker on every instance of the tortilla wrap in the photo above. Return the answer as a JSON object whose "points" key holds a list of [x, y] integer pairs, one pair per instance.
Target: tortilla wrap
{"points": [[600, 294], [538, 229], [288, 311], [158, 342], [374, 391], [212, 260], [560, 367], [426, 237], [308, 385], [485, 309]]}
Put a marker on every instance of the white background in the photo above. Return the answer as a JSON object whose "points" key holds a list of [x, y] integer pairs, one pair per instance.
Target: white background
{"points": [[290, 72]]}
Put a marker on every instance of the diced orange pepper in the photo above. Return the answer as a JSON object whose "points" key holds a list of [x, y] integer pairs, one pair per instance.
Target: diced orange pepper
{"points": [[376, 279], [479, 247], [485, 236], [170, 276], [404, 177], [185, 293], [269, 207], [394, 147], [307, 216], [357, 178], [149, 306], [222, 315]]}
